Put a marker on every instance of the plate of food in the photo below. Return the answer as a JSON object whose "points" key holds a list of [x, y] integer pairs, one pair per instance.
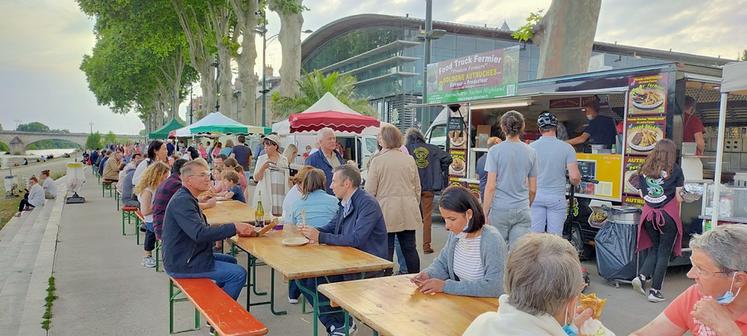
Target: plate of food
{"points": [[295, 241], [457, 166], [646, 98], [598, 217], [631, 177], [457, 138], [644, 139]]}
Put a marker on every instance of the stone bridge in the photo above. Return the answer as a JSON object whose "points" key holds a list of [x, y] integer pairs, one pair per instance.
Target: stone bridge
{"points": [[17, 141]]}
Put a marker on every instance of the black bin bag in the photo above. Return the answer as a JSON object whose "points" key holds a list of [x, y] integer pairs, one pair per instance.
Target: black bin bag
{"points": [[615, 247]]}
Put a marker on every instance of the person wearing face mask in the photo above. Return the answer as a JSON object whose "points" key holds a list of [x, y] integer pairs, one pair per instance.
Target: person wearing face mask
{"points": [[531, 307], [601, 129], [471, 263], [713, 305]]}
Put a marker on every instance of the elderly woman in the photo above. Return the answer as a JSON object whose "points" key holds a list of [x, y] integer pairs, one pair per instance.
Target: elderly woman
{"points": [[393, 179], [530, 306], [712, 306], [472, 261], [271, 174]]}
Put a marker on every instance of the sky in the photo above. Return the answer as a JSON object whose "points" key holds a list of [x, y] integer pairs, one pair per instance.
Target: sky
{"points": [[43, 42]]}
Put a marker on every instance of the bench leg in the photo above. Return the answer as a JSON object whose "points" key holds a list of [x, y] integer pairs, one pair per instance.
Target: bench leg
{"points": [[123, 221], [174, 297], [137, 231], [158, 255]]}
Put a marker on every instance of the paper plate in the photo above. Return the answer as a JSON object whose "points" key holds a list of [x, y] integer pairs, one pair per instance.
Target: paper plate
{"points": [[295, 241]]}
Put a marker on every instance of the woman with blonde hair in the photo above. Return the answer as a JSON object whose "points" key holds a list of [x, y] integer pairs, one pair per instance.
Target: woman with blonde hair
{"points": [[660, 182], [145, 189], [290, 153], [294, 194], [394, 181]]}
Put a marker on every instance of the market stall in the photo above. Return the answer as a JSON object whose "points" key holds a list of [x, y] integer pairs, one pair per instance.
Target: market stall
{"points": [[163, 132], [217, 123]]}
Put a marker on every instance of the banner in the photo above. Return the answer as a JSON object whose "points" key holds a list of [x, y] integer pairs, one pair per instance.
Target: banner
{"points": [[485, 75]]}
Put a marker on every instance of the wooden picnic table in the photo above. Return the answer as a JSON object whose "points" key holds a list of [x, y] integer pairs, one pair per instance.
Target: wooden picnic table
{"points": [[226, 212], [301, 262], [393, 306]]}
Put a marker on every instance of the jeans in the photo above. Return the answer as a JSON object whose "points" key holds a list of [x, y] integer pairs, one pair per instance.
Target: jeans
{"points": [[400, 257], [426, 210], [407, 243], [549, 212], [150, 238], [657, 259], [511, 223], [226, 273], [293, 291]]}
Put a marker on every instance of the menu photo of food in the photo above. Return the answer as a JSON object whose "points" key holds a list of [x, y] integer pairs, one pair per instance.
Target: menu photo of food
{"points": [[457, 138], [647, 95], [631, 180], [643, 138], [458, 165]]}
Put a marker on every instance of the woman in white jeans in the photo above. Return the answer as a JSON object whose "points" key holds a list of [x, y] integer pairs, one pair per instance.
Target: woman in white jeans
{"points": [[554, 157]]}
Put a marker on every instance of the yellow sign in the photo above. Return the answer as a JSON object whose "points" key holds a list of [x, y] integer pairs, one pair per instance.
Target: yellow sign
{"points": [[606, 171]]}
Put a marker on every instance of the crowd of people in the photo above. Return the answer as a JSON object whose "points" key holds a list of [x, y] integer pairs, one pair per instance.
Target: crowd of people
{"points": [[507, 242]]}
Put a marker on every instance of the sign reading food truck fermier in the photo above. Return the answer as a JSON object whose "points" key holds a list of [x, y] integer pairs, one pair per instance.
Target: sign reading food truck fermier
{"points": [[485, 75]]}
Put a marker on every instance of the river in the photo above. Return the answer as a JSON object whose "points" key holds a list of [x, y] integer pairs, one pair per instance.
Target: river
{"points": [[32, 156]]}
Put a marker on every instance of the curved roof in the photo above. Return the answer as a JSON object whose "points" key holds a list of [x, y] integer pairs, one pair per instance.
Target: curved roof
{"points": [[349, 23]]}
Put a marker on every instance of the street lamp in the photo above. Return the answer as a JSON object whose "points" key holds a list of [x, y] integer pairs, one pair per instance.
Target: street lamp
{"points": [[427, 35]]}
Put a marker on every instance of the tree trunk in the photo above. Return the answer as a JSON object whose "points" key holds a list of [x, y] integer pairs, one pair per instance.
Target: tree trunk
{"points": [[290, 41], [566, 37], [245, 11], [219, 17]]}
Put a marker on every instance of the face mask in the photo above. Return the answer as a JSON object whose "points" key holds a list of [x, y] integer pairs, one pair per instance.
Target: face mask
{"points": [[568, 328], [729, 296], [590, 117], [463, 234]]}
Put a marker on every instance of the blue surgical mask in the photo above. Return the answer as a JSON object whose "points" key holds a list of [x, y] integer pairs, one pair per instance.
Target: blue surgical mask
{"points": [[729, 296], [568, 328], [463, 234]]}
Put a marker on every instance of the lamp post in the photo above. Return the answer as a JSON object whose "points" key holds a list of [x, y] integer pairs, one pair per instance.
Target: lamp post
{"points": [[426, 36], [217, 83], [191, 103]]}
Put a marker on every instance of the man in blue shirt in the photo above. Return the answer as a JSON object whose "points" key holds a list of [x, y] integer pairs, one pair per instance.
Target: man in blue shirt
{"points": [[601, 129], [358, 223], [326, 158]]}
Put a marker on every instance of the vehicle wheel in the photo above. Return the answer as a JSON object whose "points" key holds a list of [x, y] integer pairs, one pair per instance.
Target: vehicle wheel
{"points": [[584, 250]]}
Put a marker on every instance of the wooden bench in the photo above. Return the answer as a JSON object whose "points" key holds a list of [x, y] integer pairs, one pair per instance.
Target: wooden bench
{"points": [[107, 185], [226, 315], [129, 212]]}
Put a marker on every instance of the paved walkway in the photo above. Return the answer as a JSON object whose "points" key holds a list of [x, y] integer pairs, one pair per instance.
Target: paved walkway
{"points": [[104, 290]]}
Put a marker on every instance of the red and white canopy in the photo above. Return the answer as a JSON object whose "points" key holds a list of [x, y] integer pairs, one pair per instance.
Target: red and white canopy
{"points": [[330, 112]]}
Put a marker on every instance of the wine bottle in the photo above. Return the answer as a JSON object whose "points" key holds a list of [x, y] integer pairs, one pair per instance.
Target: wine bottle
{"points": [[259, 214]]}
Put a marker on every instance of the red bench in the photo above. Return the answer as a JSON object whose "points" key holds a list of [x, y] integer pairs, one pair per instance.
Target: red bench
{"points": [[226, 315]]}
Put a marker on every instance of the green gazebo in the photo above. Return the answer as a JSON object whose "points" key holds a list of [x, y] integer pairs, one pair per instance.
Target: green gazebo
{"points": [[163, 132]]}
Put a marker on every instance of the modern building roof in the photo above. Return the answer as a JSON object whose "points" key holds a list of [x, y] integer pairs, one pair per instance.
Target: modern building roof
{"points": [[349, 23]]}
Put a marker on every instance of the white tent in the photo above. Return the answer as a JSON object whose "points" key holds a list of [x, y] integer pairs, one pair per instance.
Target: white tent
{"points": [[734, 81], [328, 102]]}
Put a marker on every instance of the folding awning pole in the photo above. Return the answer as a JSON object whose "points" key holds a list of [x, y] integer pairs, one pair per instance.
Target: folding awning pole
{"points": [[719, 159]]}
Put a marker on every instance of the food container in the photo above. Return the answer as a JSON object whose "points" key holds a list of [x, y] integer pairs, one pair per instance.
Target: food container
{"points": [[624, 214]]}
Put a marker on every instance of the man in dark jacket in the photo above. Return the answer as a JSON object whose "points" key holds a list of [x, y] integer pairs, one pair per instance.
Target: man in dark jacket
{"points": [[326, 158], [188, 239], [358, 223], [433, 164]]}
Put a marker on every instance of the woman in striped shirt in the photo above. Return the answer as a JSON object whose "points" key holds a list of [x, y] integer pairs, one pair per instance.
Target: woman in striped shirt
{"points": [[471, 263]]}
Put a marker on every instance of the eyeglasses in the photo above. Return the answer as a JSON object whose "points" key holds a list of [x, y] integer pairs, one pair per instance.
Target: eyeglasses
{"points": [[703, 273]]}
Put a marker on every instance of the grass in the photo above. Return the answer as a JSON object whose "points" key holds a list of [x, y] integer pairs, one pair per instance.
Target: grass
{"points": [[47, 318], [8, 209], [56, 174]]}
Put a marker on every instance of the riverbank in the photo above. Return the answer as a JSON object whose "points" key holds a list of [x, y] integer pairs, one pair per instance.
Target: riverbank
{"points": [[8, 209], [34, 157]]}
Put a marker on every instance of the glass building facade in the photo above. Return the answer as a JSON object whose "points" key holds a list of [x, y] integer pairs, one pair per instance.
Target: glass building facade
{"points": [[386, 56]]}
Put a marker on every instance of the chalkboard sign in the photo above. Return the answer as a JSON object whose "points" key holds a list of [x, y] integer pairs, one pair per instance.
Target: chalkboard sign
{"points": [[588, 169], [456, 123]]}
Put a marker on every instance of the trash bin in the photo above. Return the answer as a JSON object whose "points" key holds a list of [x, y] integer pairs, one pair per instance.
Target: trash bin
{"points": [[615, 248], [8, 184], [75, 177]]}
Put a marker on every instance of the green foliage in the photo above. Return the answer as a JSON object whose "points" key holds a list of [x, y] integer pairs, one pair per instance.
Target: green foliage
{"points": [[743, 58], [110, 138], [52, 144], [93, 141], [47, 317], [313, 86], [526, 32], [56, 174], [3, 147], [33, 127], [286, 7]]}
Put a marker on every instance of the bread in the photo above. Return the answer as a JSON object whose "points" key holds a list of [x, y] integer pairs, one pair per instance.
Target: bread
{"points": [[592, 301]]}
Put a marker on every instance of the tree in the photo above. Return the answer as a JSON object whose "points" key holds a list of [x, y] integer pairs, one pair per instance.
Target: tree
{"points": [[743, 58], [93, 141], [313, 86], [291, 22], [565, 36], [110, 138], [33, 127], [247, 21]]}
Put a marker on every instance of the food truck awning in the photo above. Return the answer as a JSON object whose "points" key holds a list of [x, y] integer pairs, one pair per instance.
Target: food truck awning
{"points": [[735, 78], [526, 99]]}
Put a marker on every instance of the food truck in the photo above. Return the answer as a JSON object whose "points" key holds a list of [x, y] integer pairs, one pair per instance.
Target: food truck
{"points": [[646, 104]]}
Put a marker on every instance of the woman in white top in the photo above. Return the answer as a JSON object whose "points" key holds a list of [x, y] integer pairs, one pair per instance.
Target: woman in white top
{"points": [[50, 188], [145, 189], [271, 174], [34, 198], [471, 263]]}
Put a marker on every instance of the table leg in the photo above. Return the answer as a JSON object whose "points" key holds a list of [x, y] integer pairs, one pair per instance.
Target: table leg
{"points": [[272, 294], [253, 283]]}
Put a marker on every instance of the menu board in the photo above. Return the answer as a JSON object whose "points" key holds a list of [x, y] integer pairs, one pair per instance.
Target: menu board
{"points": [[647, 94], [643, 132], [605, 170], [458, 167], [631, 200], [457, 133], [632, 165]]}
